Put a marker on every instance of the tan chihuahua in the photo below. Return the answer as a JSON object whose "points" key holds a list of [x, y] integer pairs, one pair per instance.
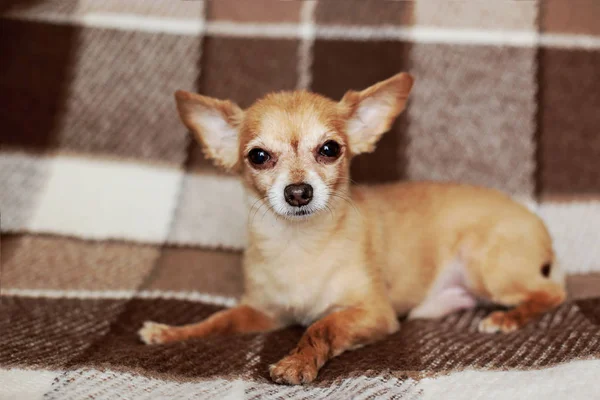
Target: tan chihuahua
{"points": [[346, 260]]}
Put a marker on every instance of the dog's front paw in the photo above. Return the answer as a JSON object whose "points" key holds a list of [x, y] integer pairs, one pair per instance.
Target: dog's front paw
{"points": [[154, 333], [498, 321], [294, 370]]}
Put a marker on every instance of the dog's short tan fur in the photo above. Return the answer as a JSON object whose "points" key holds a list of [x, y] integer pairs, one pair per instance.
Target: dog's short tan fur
{"points": [[363, 255]]}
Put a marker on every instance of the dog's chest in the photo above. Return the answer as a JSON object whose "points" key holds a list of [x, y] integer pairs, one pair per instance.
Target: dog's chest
{"points": [[299, 281]]}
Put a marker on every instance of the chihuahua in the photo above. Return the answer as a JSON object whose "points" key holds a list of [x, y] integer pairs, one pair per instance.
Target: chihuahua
{"points": [[346, 260]]}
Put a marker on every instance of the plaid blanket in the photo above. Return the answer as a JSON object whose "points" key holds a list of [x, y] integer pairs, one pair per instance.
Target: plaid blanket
{"points": [[111, 216]]}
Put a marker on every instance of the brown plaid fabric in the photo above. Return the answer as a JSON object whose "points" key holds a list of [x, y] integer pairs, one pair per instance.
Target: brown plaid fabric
{"points": [[110, 214]]}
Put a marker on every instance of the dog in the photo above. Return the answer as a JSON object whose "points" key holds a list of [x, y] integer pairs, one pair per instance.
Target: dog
{"points": [[346, 260]]}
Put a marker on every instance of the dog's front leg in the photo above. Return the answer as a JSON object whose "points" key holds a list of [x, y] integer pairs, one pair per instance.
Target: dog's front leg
{"points": [[240, 319], [329, 337]]}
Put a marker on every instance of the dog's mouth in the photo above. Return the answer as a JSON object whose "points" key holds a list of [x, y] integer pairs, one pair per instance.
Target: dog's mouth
{"points": [[302, 213]]}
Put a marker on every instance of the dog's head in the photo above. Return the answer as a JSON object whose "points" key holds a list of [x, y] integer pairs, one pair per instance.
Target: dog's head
{"points": [[293, 149]]}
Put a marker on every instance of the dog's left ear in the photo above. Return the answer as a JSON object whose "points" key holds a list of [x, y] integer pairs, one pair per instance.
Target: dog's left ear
{"points": [[371, 112]]}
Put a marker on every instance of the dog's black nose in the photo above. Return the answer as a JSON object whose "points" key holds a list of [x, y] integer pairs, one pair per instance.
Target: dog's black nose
{"points": [[298, 194]]}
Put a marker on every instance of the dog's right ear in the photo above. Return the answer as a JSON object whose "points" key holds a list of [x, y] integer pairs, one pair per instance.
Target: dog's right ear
{"points": [[215, 124]]}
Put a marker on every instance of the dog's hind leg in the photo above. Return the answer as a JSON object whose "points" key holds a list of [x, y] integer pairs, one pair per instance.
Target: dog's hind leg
{"points": [[534, 305], [521, 273]]}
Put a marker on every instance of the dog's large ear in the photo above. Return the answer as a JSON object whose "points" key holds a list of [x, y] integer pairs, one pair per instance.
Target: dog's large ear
{"points": [[215, 124], [371, 112]]}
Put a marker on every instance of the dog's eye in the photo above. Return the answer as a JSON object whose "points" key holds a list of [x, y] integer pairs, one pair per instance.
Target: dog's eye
{"points": [[330, 149], [546, 270], [258, 156]]}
